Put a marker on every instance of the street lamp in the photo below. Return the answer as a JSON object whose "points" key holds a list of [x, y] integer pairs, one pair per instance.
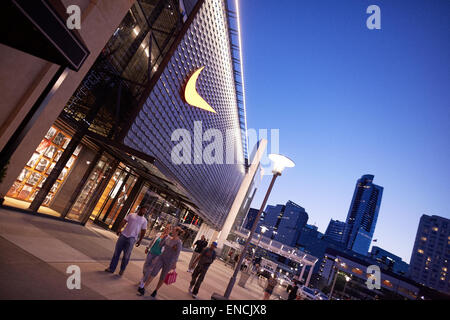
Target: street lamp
{"points": [[336, 268], [280, 162], [263, 230], [347, 280]]}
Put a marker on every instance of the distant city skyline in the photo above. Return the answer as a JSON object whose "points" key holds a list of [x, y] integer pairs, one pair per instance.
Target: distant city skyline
{"points": [[351, 101]]}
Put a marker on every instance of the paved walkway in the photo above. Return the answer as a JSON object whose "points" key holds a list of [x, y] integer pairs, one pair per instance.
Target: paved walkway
{"points": [[35, 253]]}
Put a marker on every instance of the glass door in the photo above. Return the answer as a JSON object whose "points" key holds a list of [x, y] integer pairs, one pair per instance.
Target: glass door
{"points": [[114, 196]]}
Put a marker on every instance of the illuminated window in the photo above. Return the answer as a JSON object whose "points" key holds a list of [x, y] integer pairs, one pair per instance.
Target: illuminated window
{"points": [[420, 251], [357, 271], [423, 238], [435, 229], [387, 283]]}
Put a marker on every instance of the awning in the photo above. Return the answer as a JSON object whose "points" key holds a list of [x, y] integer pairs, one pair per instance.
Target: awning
{"points": [[38, 27]]}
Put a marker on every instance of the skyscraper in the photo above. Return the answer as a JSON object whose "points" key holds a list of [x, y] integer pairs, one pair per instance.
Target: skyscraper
{"points": [[336, 232], [431, 253], [362, 215], [284, 222]]}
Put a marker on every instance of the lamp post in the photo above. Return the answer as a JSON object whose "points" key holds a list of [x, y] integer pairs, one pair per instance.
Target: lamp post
{"points": [[347, 280], [263, 230], [335, 276], [280, 162]]}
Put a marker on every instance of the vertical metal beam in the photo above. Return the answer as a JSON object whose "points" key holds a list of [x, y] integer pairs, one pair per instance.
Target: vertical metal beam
{"points": [[129, 202], [124, 181], [98, 192]]}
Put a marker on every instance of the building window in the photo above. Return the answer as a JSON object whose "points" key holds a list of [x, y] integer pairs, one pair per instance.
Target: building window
{"points": [[387, 283], [39, 166]]}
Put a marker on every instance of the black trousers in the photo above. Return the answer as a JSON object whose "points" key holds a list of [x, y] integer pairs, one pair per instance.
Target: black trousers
{"points": [[197, 277]]}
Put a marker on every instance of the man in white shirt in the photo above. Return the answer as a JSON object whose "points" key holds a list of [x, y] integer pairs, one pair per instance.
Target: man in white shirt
{"points": [[136, 225]]}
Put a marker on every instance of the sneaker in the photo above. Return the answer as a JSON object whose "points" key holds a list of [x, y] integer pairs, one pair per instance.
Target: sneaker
{"points": [[154, 293], [194, 296], [109, 270], [141, 291], [190, 289]]}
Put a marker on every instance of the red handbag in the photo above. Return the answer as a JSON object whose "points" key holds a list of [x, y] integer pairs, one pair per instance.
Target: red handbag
{"points": [[171, 277]]}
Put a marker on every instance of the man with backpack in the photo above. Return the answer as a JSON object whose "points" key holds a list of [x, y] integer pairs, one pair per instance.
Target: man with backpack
{"points": [[203, 261]]}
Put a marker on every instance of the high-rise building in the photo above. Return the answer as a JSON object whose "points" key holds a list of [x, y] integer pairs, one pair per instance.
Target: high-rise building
{"points": [[250, 219], [430, 258], [336, 232], [283, 223], [362, 215]]}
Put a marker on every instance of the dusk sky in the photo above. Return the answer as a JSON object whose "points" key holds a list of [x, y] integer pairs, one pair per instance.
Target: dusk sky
{"points": [[351, 101]]}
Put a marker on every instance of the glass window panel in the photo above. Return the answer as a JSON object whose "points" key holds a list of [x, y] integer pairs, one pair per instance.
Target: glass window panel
{"points": [[59, 139], [43, 163], [23, 175], [25, 192], [51, 132], [34, 158], [50, 152], [34, 178]]}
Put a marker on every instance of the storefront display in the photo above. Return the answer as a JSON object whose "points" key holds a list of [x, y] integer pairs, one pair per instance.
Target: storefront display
{"points": [[96, 177], [41, 163]]}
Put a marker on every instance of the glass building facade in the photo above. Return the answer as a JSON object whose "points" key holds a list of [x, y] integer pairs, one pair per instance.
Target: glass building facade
{"points": [[284, 223], [363, 214], [213, 186], [109, 151]]}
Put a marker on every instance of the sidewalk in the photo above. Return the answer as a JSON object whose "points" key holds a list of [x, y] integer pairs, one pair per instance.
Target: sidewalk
{"points": [[35, 253]]}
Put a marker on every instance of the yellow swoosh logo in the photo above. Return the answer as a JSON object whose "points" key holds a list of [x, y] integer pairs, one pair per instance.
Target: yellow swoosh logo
{"points": [[191, 95]]}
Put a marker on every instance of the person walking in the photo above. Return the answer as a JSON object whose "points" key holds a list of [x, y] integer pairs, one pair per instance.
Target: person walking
{"points": [[271, 284], [153, 250], [199, 246], [293, 291], [203, 261], [166, 262], [135, 226]]}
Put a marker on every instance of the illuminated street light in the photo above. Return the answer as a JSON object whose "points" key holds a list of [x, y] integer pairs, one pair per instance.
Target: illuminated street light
{"points": [[280, 162]]}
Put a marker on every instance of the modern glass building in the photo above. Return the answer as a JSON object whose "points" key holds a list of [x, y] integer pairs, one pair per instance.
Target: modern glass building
{"points": [[336, 232], [284, 223], [430, 257], [363, 214], [111, 148]]}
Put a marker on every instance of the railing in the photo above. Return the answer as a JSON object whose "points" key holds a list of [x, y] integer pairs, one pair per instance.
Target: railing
{"points": [[277, 247]]}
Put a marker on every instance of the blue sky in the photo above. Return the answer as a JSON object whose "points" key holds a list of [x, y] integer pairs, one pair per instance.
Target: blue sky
{"points": [[351, 101]]}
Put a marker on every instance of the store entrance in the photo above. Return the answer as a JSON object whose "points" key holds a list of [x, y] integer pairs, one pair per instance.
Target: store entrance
{"points": [[113, 198]]}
